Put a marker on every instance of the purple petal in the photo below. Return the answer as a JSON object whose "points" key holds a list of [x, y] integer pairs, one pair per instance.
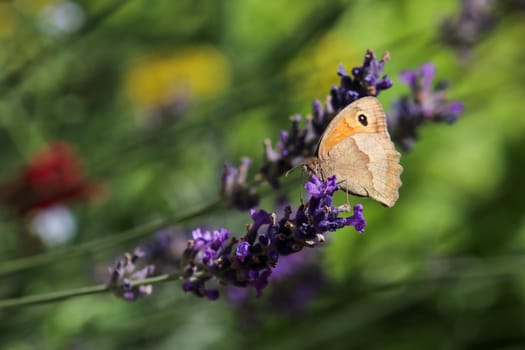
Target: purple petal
{"points": [[129, 296], [456, 108], [428, 71], [220, 236], [357, 220], [198, 235], [237, 295], [283, 135], [317, 108], [262, 281], [408, 77], [260, 217], [208, 256], [243, 250], [341, 70], [314, 186], [187, 286], [212, 294]]}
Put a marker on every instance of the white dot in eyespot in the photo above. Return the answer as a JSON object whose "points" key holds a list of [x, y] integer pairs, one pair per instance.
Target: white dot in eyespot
{"points": [[54, 225], [362, 119]]}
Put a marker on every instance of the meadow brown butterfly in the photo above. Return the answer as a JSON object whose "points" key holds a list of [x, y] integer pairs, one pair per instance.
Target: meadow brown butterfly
{"points": [[357, 149]]}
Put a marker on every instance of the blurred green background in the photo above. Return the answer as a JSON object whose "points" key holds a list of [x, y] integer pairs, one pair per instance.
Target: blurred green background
{"points": [[157, 95]]}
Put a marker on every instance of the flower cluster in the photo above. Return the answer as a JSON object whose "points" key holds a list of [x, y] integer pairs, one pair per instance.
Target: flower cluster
{"points": [[476, 18], [249, 261], [53, 176], [426, 103], [300, 141], [234, 188], [475, 21], [125, 272], [367, 80], [165, 250], [294, 282]]}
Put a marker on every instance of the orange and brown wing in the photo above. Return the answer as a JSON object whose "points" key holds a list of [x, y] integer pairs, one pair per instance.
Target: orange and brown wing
{"points": [[361, 154], [347, 123]]}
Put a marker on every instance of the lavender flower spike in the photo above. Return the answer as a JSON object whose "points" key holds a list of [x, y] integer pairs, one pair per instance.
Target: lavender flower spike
{"points": [[475, 20], [249, 260], [125, 272], [300, 141], [366, 80], [426, 103], [236, 192]]}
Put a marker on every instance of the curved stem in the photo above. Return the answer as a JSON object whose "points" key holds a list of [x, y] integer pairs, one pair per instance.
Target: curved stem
{"points": [[95, 245], [67, 294], [52, 297], [496, 267]]}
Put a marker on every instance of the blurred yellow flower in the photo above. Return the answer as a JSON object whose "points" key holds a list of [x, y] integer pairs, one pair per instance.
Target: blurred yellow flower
{"points": [[7, 19], [158, 79], [316, 66]]}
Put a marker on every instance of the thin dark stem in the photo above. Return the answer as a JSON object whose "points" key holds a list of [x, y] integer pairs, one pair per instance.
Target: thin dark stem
{"points": [[498, 267], [52, 297], [67, 294], [128, 235]]}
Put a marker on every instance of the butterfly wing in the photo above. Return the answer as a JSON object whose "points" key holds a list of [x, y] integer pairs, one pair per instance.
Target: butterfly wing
{"points": [[366, 165], [356, 147]]}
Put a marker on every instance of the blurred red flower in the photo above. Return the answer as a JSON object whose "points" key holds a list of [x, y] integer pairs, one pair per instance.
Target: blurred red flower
{"points": [[54, 175]]}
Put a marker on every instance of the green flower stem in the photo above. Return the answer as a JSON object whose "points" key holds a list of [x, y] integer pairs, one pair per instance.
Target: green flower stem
{"points": [[96, 245], [67, 294], [491, 268]]}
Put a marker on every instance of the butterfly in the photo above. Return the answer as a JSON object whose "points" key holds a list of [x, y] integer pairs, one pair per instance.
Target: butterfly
{"points": [[356, 148]]}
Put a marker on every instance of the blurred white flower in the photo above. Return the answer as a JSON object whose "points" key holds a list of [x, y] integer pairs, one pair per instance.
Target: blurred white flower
{"points": [[54, 225], [63, 17]]}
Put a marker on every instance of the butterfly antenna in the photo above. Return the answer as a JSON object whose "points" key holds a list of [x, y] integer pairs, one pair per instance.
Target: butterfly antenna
{"points": [[301, 189], [289, 171]]}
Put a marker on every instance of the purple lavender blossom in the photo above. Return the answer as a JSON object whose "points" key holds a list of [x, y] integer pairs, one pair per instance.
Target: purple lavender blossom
{"points": [[243, 250], [300, 142], [165, 250], [125, 272], [476, 18], [294, 283], [317, 188], [425, 104], [235, 190], [290, 264], [366, 81], [296, 280], [475, 21], [248, 262]]}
